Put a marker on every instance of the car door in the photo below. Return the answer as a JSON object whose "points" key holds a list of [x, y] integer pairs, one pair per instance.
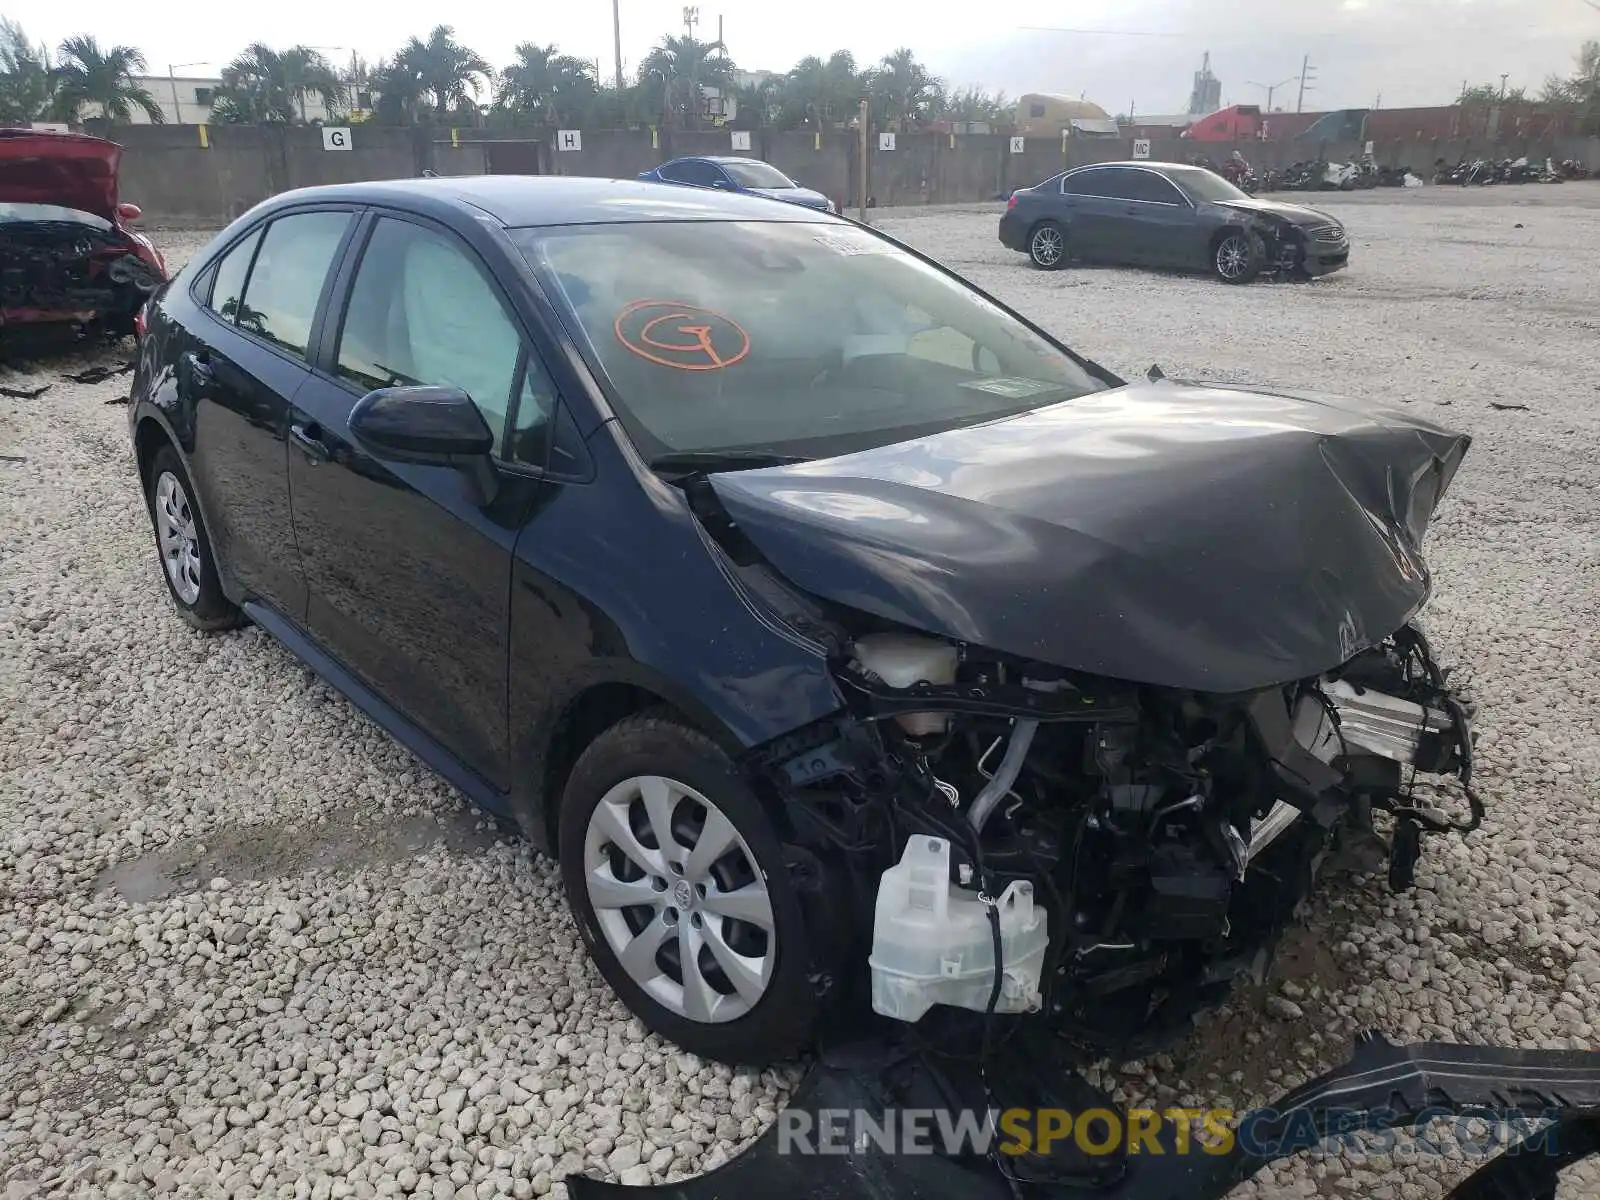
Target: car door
{"points": [[242, 363], [407, 566], [1091, 209], [1161, 220]]}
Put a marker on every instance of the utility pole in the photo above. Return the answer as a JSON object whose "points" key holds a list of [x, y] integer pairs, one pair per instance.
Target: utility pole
{"points": [[616, 39], [1506, 75], [861, 191], [1307, 74], [1378, 103]]}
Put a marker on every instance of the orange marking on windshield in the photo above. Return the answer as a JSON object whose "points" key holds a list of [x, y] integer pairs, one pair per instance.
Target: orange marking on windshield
{"points": [[709, 341]]}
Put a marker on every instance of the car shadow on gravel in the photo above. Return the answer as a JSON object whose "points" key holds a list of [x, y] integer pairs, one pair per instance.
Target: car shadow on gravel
{"points": [[348, 841]]}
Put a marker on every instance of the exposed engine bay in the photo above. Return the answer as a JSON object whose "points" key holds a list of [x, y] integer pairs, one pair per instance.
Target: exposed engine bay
{"points": [[1128, 850], [68, 267]]}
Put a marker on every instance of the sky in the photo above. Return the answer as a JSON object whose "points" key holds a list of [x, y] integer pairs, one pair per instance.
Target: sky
{"points": [[1142, 52]]}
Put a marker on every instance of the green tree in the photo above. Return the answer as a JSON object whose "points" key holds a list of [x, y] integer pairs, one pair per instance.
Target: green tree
{"points": [[975, 104], [265, 86], [549, 86], [1580, 94], [903, 89], [1488, 95], [449, 74], [87, 75], [27, 77], [675, 72], [821, 93]]}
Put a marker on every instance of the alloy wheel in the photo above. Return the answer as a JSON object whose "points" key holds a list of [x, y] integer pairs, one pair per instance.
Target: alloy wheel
{"points": [[1048, 246], [178, 537], [1233, 257], [679, 899]]}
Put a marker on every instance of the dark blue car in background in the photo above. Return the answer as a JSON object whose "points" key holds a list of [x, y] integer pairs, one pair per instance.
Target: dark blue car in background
{"points": [[748, 175]]}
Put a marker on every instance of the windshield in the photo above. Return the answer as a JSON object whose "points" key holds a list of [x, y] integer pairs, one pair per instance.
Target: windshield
{"points": [[757, 175], [787, 338], [51, 212], [1202, 184]]}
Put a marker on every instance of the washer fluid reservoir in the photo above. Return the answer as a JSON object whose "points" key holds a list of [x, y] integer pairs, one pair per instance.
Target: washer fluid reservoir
{"points": [[932, 942]]}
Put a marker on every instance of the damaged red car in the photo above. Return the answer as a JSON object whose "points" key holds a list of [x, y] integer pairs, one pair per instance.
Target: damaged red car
{"points": [[70, 266]]}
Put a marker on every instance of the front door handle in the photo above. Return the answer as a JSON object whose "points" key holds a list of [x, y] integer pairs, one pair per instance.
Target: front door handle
{"points": [[308, 438]]}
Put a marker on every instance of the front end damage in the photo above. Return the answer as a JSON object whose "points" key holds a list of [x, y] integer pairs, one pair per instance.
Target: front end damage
{"points": [[66, 273], [1098, 737], [1131, 850]]}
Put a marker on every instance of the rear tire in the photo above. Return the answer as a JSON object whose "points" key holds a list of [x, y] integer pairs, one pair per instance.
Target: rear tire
{"points": [[1047, 246], [648, 903], [183, 548], [1238, 256]]}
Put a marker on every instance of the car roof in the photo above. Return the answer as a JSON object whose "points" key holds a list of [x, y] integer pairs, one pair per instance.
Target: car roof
{"points": [[1145, 163], [521, 200]]}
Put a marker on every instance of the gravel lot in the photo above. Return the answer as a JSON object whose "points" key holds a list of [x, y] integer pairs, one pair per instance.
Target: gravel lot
{"points": [[250, 947]]}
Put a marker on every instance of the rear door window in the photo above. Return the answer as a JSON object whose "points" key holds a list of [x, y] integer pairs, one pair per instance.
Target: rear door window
{"points": [[286, 279], [227, 287], [701, 174], [1089, 183]]}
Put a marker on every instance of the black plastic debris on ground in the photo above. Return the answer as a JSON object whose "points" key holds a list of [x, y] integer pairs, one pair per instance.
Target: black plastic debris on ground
{"points": [[100, 374], [1509, 407], [25, 393], [120, 400]]}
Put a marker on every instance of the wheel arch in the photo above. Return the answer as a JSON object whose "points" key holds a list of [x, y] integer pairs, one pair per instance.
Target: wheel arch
{"points": [[567, 727], [149, 437]]}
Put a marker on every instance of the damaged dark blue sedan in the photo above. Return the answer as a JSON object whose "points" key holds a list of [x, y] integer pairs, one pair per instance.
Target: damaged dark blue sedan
{"points": [[855, 645]]}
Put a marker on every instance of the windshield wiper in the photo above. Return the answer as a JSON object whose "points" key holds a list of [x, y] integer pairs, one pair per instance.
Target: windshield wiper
{"points": [[720, 460]]}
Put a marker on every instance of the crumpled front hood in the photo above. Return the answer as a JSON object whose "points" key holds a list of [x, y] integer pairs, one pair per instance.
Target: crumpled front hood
{"points": [[1295, 214], [67, 169], [1182, 535]]}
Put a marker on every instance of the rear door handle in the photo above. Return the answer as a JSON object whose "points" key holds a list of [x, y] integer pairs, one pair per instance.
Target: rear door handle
{"points": [[309, 439], [200, 371]]}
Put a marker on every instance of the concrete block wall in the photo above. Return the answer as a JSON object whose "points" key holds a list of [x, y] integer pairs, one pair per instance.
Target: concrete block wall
{"points": [[209, 175]]}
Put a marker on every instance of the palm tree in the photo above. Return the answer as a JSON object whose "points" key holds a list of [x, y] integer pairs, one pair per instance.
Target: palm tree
{"points": [[677, 69], [822, 93], [902, 88], [27, 77], [264, 85], [86, 74], [547, 84], [443, 69]]}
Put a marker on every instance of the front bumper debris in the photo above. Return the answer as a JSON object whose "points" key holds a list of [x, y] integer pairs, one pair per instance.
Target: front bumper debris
{"points": [[1553, 1095]]}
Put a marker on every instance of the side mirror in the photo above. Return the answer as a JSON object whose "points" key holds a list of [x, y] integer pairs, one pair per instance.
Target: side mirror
{"points": [[129, 212], [429, 426]]}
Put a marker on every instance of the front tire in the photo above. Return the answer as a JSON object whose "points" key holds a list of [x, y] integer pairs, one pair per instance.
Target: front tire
{"points": [[1238, 256], [1047, 246], [183, 547], [677, 882]]}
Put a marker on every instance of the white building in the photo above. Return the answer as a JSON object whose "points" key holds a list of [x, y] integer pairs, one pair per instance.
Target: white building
{"points": [[187, 99]]}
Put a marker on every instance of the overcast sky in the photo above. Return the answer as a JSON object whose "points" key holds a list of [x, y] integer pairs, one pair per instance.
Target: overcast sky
{"points": [[1410, 51]]}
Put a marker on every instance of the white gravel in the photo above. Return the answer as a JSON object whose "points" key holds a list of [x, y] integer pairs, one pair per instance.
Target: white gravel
{"points": [[251, 947]]}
